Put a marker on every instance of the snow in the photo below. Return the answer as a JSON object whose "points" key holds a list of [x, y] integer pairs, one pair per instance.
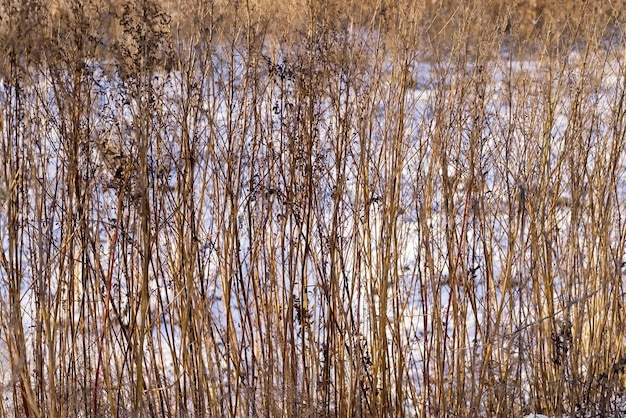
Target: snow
{"points": [[413, 314]]}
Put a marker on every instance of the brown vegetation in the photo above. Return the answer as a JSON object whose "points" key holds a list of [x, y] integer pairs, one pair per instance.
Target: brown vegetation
{"points": [[311, 208]]}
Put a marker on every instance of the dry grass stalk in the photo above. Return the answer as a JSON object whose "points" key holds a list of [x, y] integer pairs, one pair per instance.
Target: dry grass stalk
{"points": [[229, 209]]}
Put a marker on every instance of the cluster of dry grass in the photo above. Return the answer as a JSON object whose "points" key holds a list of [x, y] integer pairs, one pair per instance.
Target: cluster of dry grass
{"points": [[320, 209]]}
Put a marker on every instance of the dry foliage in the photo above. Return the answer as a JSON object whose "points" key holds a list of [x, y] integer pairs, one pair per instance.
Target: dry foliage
{"points": [[320, 208]]}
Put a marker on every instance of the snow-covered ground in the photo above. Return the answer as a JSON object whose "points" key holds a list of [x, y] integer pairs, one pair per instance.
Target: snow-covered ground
{"points": [[423, 284]]}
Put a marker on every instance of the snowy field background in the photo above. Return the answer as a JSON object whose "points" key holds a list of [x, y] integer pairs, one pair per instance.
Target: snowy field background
{"points": [[215, 220]]}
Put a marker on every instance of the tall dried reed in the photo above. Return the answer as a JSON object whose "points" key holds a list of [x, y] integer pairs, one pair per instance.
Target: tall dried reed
{"points": [[323, 209]]}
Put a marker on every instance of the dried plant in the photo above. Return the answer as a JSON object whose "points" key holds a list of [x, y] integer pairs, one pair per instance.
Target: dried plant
{"points": [[215, 208]]}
